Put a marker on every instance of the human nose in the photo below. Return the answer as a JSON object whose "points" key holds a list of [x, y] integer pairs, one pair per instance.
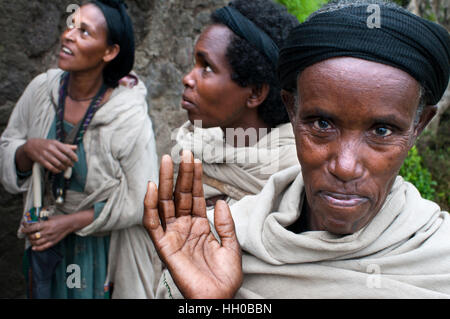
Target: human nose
{"points": [[69, 34], [346, 164], [188, 79]]}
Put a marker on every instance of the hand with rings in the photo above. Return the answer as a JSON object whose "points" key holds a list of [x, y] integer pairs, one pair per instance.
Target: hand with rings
{"points": [[45, 234], [33, 232]]}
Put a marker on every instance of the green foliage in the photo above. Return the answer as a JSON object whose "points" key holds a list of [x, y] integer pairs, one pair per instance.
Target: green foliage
{"points": [[403, 3], [440, 169], [413, 172], [302, 8], [434, 147]]}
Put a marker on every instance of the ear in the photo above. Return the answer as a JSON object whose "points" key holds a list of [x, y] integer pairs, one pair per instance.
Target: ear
{"points": [[289, 102], [427, 115], [258, 95], [111, 53]]}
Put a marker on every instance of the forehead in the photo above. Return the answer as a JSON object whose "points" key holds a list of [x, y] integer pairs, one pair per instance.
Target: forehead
{"points": [[215, 38], [355, 83], [92, 16]]}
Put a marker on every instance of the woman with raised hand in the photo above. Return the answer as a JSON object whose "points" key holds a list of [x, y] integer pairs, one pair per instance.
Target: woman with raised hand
{"points": [[238, 126], [80, 118]]}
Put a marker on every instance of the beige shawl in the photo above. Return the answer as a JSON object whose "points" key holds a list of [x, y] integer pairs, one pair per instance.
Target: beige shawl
{"points": [[237, 171], [404, 252], [121, 158]]}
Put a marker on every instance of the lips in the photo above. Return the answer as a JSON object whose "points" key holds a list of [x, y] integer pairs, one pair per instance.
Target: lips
{"points": [[66, 50], [342, 199], [186, 103]]}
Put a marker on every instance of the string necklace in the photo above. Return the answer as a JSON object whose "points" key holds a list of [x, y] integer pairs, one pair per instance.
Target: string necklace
{"points": [[79, 100], [93, 107], [59, 183]]}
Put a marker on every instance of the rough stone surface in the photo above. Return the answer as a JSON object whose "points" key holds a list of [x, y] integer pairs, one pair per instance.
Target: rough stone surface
{"points": [[165, 35]]}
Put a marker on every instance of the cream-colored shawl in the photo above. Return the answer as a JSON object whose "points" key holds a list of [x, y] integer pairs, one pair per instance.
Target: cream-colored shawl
{"points": [[404, 252], [121, 158], [237, 171]]}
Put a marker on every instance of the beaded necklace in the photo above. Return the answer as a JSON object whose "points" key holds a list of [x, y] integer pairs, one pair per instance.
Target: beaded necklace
{"points": [[59, 182]]}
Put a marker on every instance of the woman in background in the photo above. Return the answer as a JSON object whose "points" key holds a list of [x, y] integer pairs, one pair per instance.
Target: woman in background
{"points": [[238, 126]]}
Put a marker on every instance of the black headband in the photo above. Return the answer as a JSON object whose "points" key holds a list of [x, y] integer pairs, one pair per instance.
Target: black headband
{"points": [[246, 29], [404, 40]]}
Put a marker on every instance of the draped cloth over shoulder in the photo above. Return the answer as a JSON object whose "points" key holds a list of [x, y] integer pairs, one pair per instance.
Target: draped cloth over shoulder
{"points": [[244, 169], [402, 253], [121, 159]]}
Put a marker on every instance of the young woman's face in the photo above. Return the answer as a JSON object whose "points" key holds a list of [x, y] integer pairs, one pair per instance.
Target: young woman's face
{"points": [[84, 45], [353, 127], [210, 95]]}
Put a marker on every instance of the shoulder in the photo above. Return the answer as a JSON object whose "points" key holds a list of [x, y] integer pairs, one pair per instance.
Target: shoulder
{"points": [[423, 212], [125, 104], [129, 95], [126, 113], [45, 80], [36, 96]]}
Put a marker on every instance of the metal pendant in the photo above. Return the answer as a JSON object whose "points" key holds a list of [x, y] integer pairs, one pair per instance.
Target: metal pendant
{"points": [[59, 196]]}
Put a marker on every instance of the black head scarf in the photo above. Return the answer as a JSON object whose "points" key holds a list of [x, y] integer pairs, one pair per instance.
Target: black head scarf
{"points": [[246, 29], [120, 31], [404, 40]]}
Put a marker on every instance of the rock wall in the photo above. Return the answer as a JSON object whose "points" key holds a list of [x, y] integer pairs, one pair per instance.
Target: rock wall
{"points": [[165, 34]]}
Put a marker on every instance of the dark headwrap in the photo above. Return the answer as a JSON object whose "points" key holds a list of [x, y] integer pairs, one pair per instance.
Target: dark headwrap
{"points": [[246, 29], [404, 40], [120, 31]]}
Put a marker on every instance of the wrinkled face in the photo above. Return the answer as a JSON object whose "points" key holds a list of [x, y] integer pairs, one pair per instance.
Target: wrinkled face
{"points": [[84, 45], [210, 95], [354, 125]]}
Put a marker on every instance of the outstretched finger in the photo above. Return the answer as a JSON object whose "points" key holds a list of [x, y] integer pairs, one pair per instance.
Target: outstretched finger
{"points": [[183, 187], [166, 207], [151, 218], [224, 224], [166, 178], [198, 197]]}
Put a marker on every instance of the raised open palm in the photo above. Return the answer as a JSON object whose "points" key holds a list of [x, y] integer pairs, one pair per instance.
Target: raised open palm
{"points": [[200, 265]]}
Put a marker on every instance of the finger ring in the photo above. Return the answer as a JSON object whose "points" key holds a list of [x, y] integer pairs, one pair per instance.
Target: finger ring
{"points": [[37, 235]]}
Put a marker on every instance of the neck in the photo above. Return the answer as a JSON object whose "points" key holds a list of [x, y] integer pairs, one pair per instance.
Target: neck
{"points": [[246, 133], [84, 85]]}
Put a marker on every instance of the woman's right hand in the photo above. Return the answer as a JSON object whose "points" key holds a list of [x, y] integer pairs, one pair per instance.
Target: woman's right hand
{"points": [[51, 154], [200, 265]]}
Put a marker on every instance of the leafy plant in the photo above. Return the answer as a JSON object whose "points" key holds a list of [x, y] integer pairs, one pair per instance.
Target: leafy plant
{"points": [[302, 8], [413, 172], [434, 147]]}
